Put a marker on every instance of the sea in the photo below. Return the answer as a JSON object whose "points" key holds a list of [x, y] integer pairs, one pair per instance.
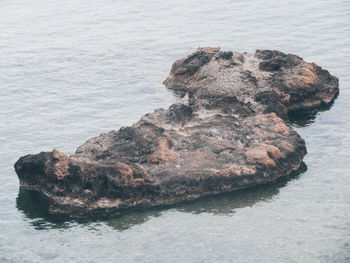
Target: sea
{"points": [[71, 70]]}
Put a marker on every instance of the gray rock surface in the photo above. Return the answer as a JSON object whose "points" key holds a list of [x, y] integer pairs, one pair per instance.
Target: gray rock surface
{"points": [[230, 131]]}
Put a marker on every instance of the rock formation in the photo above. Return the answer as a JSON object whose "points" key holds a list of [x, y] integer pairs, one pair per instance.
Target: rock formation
{"points": [[230, 131]]}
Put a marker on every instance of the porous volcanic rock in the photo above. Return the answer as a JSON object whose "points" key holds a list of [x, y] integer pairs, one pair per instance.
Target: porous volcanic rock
{"points": [[230, 131]]}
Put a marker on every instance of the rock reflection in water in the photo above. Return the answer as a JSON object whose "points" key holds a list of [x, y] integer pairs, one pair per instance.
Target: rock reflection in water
{"points": [[306, 117], [36, 207]]}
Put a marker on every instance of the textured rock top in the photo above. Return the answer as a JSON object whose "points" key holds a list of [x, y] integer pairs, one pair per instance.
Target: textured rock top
{"points": [[230, 131], [268, 81]]}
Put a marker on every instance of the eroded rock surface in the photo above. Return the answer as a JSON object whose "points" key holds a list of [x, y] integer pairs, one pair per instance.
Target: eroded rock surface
{"points": [[230, 131]]}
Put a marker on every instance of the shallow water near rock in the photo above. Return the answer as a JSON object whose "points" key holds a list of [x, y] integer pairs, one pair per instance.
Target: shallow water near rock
{"points": [[73, 70]]}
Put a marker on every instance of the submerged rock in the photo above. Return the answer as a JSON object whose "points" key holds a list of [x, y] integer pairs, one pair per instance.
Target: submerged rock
{"points": [[230, 131]]}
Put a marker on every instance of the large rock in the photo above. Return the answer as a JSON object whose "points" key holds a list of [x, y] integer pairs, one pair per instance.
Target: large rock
{"points": [[230, 131]]}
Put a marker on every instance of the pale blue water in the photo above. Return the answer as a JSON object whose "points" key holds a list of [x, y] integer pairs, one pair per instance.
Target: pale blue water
{"points": [[70, 70]]}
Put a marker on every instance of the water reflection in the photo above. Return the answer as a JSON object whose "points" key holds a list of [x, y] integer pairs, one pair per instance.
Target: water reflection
{"points": [[227, 203], [303, 118], [35, 206]]}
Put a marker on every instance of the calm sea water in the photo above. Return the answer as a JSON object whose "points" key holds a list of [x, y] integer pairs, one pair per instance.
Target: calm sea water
{"points": [[70, 70]]}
